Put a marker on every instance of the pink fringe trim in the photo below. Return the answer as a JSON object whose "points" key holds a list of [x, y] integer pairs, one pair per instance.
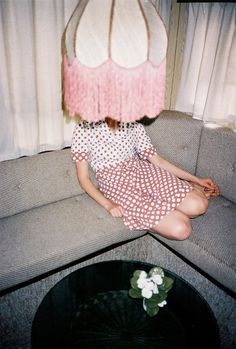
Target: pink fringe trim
{"points": [[110, 90]]}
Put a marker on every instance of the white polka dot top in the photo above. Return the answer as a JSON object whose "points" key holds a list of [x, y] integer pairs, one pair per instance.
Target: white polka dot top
{"points": [[99, 145]]}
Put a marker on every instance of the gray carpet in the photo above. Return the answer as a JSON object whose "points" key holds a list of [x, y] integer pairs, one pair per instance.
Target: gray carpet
{"points": [[18, 308]]}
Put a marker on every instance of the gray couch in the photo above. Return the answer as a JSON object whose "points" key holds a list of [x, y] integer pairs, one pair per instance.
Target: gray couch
{"points": [[48, 222]]}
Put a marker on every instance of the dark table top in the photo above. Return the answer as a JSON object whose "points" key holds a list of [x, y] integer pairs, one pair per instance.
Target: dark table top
{"points": [[91, 308]]}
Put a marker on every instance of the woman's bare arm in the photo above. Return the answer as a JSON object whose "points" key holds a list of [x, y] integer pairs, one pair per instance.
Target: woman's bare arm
{"points": [[88, 186], [208, 183]]}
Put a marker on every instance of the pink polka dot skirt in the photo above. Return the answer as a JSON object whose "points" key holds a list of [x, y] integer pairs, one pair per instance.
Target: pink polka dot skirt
{"points": [[146, 193]]}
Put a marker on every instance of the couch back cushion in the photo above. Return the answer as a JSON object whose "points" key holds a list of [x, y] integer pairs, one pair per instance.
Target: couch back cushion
{"points": [[36, 180], [176, 136], [217, 159]]}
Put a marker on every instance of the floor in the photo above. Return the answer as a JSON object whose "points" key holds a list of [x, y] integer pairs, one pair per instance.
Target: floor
{"points": [[18, 308]]}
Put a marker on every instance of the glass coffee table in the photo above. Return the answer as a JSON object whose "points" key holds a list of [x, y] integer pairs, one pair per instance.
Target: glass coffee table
{"points": [[91, 308]]}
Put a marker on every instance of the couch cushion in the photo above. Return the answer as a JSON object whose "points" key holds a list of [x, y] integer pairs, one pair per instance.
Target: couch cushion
{"points": [[36, 180], [48, 237], [212, 245], [176, 137], [217, 159], [48, 177]]}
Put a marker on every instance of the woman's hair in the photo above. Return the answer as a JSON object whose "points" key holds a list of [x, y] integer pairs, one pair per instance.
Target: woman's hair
{"points": [[111, 122]]}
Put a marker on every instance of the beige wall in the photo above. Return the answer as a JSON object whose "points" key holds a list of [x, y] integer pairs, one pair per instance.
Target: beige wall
{"points": [[176, 41]]}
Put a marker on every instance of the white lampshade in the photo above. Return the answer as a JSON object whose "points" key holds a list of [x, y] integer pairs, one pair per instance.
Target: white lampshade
{"points": [[115, 60]]}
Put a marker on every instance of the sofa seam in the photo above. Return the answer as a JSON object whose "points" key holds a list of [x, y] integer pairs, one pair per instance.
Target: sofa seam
{"points": [[203, 249], [43, 205]]}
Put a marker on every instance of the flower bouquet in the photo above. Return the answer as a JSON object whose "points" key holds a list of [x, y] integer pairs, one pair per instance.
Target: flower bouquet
{"points": [[152, 287]]}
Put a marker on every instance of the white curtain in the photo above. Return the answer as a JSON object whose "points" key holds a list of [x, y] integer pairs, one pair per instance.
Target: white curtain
{"points": [[164, 9], [208, 83], [31, 116]]}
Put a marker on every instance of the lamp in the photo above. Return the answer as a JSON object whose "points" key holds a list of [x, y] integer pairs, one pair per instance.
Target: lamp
{"points": [[115, 60]]}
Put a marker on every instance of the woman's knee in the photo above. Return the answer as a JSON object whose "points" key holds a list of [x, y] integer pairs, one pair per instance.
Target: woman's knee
{"points": [[201, 203], [181, 230], [175, 226], [195, 204]]}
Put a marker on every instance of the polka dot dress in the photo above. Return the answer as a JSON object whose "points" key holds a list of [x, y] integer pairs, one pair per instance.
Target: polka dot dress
{"points": [[146, 193]]}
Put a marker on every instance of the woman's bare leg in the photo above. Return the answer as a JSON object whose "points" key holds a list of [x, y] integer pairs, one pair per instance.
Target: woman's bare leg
{"points": [[174, 226], [195, 204], [177, 224]]}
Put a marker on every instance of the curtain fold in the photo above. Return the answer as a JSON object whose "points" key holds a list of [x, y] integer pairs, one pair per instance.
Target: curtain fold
{"points": [[31, 116], [208, 83]]}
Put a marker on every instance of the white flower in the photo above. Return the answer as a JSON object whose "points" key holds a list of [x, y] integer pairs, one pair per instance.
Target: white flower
{"points": [[142, 280], [157, 279], [162, 304], [141, 283], [143, 275], [155, 289], [151, 284], [146, 292]]}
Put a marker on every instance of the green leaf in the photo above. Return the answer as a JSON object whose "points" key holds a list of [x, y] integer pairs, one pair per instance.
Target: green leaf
{"points": [[162, 296], [167, 283], [159, 296], [134, 279], [135, 293], [137, 273], [133, 283], [151, 303], [154, 300], [151, 311]]}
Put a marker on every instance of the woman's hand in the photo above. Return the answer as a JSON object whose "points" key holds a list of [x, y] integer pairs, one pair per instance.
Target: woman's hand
{"points": [[115, 210], [86, 183], [209, 186]]}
